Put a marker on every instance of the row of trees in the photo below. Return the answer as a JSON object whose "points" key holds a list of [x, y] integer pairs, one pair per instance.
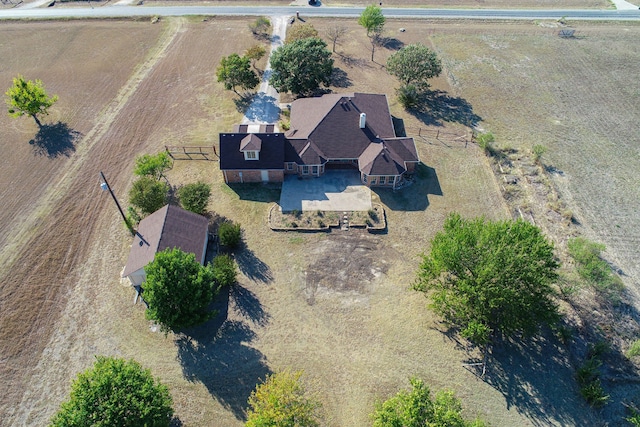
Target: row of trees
{"points": [[118, 392], [303, 64]]}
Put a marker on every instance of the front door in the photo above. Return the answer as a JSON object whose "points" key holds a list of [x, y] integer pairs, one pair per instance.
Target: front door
{"points": [[265, 176]]}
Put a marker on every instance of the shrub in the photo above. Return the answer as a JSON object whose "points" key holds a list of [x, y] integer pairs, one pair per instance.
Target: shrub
{"points": [[485, 141], [408, 96], [592, 268], [634, 349], [260, 27], [230, 234], [224, 270], [594, 394], [373, 214], [195, 197], [148, 195], [538, 151]]}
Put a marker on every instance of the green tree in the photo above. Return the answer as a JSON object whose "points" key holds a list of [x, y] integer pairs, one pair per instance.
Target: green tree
{"points": [[28, 97], [416, 408], [224, 270], [255, 53], [230, 234], [302, 66], [299, 32], [373, 20], [236, 71], [178, 290], [281, 401], [148, 195], [414, 64], [261, 27], [115, 392], [153, 166], [490, 279], [195, 197]]}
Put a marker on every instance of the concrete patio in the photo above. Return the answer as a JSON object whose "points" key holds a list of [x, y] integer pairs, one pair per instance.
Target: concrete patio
{"points": [[334, 191]]}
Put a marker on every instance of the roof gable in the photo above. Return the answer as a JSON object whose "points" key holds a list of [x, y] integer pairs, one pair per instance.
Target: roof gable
{"points": [[168, 227], [251, 142]]}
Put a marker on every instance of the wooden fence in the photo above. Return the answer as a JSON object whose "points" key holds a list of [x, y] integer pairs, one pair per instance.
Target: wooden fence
{"points": [[433, 136], [192, 153]]}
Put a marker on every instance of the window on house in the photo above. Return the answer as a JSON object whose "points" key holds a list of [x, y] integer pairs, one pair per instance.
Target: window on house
{"points": [[373, 181], [314, 170], [382, 180], [305, 170], [290, 166], [364, 178]]}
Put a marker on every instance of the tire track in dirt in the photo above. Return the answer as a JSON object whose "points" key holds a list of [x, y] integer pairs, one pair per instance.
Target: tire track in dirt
{"points": [[19, 236], [44, 254]]}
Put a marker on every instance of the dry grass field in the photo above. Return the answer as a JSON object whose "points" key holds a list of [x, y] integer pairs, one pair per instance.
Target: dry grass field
{"points": [[336, 305]]}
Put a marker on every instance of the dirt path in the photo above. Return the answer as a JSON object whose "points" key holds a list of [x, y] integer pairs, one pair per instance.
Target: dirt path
{"points": [[65, 217]]}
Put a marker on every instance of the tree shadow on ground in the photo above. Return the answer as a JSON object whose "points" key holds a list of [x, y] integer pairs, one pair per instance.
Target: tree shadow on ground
{"points": [[247, 303], [538, 380], [263, 108], [352, 61], [257, 192], [437, 106], [55, 140], [243, 101], [339, 78], [224, 362], [414, 197], [253, 267], [391, 43]]}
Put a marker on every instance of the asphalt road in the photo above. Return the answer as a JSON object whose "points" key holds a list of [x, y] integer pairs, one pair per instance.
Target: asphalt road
{"points": [[351, 12]]}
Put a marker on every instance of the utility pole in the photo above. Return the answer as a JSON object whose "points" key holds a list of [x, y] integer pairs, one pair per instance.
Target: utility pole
{"points": [[105, 186]]}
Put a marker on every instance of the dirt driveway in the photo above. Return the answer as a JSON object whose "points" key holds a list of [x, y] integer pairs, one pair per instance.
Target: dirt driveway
{"points": [[334, 191]]}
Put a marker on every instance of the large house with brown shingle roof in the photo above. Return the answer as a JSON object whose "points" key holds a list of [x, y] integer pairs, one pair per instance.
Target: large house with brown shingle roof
{"points": [[335, 131], [169, 227]]}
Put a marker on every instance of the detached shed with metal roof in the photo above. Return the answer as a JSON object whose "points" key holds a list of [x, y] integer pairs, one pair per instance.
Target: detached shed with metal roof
{"points": [[168, 227]]}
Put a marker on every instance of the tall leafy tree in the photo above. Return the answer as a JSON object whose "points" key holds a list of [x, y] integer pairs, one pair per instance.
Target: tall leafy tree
{"points": [[373, 21], [490, 279], [282, 401], [417, 408], [29, 97], [152, 165], [178, 290], [148, 194], [115, 392], [414, 64], [302, 66], [234, 71]]}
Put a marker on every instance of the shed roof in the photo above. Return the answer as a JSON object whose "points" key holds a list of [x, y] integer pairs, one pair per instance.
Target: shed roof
{"points": [[168, 227]]}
